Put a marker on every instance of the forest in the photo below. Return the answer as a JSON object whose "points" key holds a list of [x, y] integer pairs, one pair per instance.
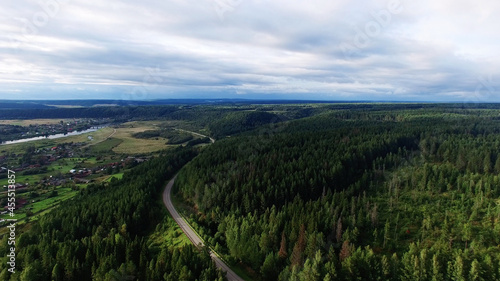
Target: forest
{"points": [[102, 233], [355, 195], [287, 192]]}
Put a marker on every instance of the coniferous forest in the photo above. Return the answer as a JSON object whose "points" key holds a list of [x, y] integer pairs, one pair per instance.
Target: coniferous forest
{"points": [[355, 195], [291, 192], [101, 234]]}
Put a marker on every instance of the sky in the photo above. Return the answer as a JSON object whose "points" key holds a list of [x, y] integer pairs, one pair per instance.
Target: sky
{"points": [[394, 50]]}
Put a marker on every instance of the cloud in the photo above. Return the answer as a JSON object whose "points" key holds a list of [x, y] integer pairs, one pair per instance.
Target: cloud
{"points": [[364, 50]]}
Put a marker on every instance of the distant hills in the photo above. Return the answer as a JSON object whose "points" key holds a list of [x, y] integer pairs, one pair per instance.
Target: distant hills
{"points": [[47, 104]]}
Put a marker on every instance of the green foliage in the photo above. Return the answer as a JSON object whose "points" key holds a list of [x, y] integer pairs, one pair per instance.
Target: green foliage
{"points": [[173, 136], [238, 122], [101, 233], [105, 147], [380, 194]]}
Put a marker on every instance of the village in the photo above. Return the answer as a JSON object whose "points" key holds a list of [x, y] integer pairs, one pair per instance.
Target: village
{"points": [[46, 173]]}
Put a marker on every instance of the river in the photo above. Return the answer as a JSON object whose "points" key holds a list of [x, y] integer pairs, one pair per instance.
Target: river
{"points": [[55, 136]]}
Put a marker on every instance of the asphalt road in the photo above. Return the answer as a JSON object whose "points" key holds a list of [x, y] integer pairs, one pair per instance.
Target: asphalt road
{"points": [[192, 235]]}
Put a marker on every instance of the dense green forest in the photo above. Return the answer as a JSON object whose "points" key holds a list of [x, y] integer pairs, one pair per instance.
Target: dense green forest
{"points": [[287, 192], [101, 234], [174, 137], [359, 194]]}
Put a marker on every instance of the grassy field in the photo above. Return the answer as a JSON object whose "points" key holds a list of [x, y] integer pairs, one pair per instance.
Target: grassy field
{"points": [[118, 176], [120, 140], [42, 203], [167, 234], [132, 145], [105, 146]]}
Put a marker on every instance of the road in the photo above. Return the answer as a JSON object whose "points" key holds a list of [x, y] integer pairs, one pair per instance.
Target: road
{"points": [[112, 134], [192, 235], [197, 134]]}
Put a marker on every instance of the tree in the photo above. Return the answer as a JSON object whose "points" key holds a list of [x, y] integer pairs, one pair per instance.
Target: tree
{"points": [[339, 230], [386, 233], [476, 271], [457, 270], [268, 269], [32, 272], [282, 252], [57, 273], [298, 249], [466, 233], [497, 165], [437, 274], [487, 163], [346, 250], [311, 271]]}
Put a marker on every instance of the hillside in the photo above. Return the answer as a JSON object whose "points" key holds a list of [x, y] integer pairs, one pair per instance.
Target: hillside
{"points": [[355, 195]]}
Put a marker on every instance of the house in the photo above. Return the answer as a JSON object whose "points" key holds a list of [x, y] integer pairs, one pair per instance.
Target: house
{"points": [[79, 180], [20, 202], [82, 175], [139, 160]]}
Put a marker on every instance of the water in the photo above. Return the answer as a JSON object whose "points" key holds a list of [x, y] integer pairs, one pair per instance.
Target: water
{"points": [[55, 136]]}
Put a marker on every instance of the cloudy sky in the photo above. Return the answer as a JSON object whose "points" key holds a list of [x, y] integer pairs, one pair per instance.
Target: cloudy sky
{"points": [[331, 50]]}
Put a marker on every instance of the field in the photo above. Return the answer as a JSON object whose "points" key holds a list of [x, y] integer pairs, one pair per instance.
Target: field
{"points": [[100, 148], [105, 146], [31, 122], [131, 145], [120, 140], [36, 207]]}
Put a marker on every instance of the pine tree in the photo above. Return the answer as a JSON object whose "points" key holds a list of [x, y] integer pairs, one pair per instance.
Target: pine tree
{"points": [[497, 165], [339, 230], [437, 274], [487, 163], [269, 267], [282, 252], [386, 233], [57, 273], [298, 249], [311, 271], [457, 270], [346, 250], [476, 271]]}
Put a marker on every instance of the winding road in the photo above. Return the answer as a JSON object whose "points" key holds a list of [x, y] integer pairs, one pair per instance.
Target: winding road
{"points": [[197, 134], [192, 235]]}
